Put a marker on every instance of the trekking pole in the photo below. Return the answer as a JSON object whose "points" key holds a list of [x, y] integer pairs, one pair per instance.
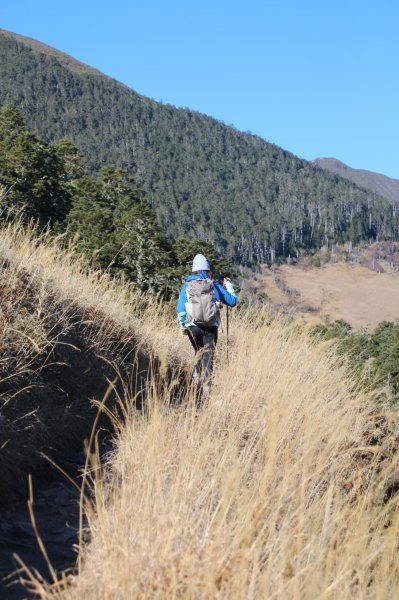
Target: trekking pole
{"points": [[227, 335]]}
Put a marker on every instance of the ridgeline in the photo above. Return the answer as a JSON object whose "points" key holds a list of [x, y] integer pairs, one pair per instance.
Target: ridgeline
{"points": [[252, 200]]}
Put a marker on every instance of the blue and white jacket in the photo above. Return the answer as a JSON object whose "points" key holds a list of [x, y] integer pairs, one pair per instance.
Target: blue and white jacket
{"points": [[226, 296]]}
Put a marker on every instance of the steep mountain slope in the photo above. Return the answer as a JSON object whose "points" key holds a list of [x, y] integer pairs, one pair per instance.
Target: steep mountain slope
{"points": [[380, 184], [253, 200]]}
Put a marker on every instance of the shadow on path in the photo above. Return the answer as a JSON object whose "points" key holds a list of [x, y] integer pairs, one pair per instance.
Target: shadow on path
{"points": [[56, 508]]}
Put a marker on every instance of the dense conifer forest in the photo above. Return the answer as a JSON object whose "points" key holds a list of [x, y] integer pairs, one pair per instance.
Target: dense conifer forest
{"points": [[104, 215], [253, 201]]}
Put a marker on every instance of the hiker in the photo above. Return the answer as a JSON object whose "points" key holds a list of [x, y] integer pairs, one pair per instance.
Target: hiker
{"points": [[198, 312]]}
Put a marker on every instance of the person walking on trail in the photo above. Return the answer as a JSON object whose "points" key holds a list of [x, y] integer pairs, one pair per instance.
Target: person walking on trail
{"points": [[198, 312]]}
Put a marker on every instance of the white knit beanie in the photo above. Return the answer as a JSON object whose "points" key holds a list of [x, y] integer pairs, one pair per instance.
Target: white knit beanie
{"points": [[200, 263]]}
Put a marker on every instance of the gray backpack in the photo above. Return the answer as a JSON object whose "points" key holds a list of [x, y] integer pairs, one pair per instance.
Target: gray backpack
{"points": [[202, 307]]}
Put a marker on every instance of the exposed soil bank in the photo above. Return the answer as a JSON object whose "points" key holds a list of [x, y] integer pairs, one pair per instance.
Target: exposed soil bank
{"points": [[55, 360]]}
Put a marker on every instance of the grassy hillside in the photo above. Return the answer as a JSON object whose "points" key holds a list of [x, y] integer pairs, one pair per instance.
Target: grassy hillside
{"points": [[253, 200], [278, 488], [282, 486], [66, 333]]}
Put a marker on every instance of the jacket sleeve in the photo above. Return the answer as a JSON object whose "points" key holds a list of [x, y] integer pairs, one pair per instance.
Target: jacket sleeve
{"points": [[227, 296], [181, 307]]}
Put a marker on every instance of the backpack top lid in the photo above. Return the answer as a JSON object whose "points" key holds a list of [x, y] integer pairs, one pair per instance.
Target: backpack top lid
{"points": [[196, 287]]}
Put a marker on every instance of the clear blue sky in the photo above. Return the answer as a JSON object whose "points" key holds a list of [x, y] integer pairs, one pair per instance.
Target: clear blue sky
{"points": [[316, 78]]}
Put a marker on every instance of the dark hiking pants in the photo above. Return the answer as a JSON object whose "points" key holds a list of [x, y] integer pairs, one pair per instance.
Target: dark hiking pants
{"points": [[203, 340]]}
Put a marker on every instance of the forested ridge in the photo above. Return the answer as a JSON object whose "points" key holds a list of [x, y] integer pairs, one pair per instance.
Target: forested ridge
{"points": [[254, 201]]}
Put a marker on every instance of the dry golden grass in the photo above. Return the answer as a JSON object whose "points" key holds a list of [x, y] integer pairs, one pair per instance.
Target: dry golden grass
{"points": [[64, 331], [273, 490], [67, 277]]}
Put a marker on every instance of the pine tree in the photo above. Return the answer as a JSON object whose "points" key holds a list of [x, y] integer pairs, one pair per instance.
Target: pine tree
{"points": [[112, 222], [35, 177]]}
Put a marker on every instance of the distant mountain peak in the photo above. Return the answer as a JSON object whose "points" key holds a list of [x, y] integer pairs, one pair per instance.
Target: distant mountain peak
{"points": [[330, 161], [376, 182]]}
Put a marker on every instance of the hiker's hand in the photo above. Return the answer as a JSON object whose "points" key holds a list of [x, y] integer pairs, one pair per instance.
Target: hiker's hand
{"points": [[225, 281]]}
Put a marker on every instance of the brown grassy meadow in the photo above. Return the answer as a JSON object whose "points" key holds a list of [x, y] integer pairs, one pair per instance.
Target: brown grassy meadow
{"points": [[351, 292]]}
